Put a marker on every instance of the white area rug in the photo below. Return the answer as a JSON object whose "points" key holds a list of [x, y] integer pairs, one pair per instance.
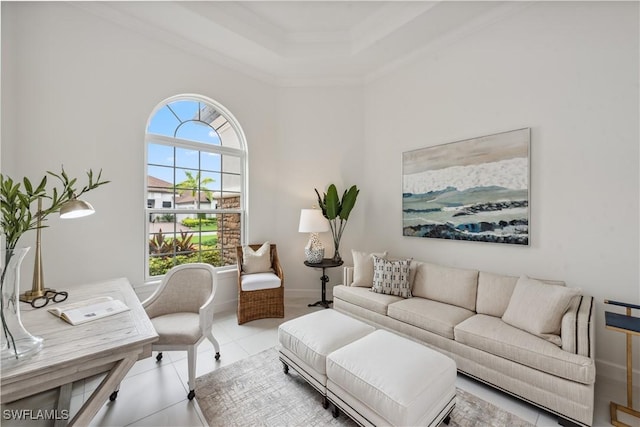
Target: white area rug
{"points": [[256, 392]]}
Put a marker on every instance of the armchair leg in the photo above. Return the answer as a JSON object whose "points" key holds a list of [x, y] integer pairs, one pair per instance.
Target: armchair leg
{"points": [[216, 346], [159, 357], [191, 360]]}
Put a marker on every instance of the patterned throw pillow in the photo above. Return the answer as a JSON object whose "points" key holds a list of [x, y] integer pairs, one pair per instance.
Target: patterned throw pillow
{"points": [[391, 277]]}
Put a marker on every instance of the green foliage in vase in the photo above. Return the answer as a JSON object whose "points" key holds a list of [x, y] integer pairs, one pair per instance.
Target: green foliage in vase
{"points": [[16, 198], [337, 211]]}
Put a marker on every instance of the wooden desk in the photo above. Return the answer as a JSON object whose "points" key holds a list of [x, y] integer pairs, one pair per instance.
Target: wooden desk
{"points": [[70, 353]]}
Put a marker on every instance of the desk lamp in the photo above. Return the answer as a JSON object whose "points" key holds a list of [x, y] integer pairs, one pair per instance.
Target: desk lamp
{"points": [[73, 208]]}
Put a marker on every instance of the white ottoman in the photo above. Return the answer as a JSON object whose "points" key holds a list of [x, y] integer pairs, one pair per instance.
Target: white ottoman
{"points": [[305, 342], [385, 379]]}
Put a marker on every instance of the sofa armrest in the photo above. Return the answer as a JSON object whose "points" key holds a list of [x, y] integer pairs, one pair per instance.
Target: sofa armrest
{"points": [[578, 327], [347, 276]]}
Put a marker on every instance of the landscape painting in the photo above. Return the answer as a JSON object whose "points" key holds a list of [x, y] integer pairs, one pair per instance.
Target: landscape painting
{"points": [[474, 190]]}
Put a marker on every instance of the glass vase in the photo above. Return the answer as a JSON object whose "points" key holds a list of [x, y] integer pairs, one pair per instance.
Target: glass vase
{"points": [[336, 252], [17, 343]]}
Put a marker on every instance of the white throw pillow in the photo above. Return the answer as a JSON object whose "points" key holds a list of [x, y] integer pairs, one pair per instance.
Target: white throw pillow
{"points": [[363, 268], [391, 277], [537, 308], [258, 261]]}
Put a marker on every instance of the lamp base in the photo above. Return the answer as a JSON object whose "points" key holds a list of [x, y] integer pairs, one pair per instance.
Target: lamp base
{"points": [[314, 256]]}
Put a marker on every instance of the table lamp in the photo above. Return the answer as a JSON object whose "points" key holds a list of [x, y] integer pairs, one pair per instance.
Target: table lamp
{"points": [[73, 208], [312, 221]]}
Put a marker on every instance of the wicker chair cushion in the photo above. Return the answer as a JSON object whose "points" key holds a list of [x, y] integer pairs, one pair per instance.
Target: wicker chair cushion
{"points": [[254, 282]]}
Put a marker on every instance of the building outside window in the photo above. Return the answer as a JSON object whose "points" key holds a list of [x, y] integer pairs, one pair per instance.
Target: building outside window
{"points": [[195, 185]]}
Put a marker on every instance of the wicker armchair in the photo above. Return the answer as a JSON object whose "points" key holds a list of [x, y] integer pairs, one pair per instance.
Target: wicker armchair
{"points": [[257, 299]]}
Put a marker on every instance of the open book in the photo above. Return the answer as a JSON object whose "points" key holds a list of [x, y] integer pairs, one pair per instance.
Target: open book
{"points": [[88, 310]]}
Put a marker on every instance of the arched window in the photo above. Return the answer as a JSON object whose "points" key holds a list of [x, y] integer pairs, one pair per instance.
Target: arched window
{"points": [[195, 184]]}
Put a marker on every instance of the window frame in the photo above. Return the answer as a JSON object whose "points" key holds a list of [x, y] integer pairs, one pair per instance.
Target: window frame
{"points": [[240, 153]]}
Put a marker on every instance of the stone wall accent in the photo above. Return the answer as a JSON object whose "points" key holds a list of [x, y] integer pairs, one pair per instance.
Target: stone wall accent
{"points": [[228, 229]]}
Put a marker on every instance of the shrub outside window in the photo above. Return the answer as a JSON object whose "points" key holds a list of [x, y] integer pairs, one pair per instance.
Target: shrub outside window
{"points": [[195, 180]]}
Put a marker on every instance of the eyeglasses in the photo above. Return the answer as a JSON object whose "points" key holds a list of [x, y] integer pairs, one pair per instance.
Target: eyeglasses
{"points": [[54, 296]]}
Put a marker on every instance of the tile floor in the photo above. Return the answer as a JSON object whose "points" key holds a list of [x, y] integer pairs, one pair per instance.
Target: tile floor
{"points": [[155, 394]]}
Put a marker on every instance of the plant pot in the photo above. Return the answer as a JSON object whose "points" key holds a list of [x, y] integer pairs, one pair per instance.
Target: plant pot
{"points": [[17, 343]]}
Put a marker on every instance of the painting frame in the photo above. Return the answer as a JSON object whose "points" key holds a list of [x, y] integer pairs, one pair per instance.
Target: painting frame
{"points": [[476, 189]]}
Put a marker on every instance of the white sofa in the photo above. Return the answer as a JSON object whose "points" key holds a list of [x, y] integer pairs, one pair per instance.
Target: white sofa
{"points": [[460, 312]]}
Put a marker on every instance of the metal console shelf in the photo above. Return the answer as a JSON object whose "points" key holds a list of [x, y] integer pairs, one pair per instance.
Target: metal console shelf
{"points": [[629, 325]]}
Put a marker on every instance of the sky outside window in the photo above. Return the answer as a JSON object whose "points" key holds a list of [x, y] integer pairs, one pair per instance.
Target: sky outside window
{"points": [[180, 120]]}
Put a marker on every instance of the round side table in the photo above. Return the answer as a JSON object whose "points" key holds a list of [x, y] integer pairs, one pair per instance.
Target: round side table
{"points": [[324, 264]]}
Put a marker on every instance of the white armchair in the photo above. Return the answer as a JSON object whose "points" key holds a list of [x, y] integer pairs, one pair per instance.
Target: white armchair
{"points": [[181, 310]]}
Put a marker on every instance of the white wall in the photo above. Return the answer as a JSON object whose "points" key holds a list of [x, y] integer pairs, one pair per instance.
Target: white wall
{"points": [[569, 71], [319, 143], [80, 92]]}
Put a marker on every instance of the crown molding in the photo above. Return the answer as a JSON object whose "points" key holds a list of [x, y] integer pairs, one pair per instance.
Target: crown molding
{"points": [[471, 27], [108, 11]]}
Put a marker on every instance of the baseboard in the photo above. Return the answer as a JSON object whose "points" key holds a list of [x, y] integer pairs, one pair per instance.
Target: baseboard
{"points": [[304, 293], [615, 372], [219, 307]]}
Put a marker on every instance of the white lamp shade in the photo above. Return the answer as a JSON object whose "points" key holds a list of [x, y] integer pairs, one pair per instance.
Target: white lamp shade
{"points": [[75, 208], [312, 221]]}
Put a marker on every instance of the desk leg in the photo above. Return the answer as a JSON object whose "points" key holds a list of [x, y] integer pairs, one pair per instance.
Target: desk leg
{"points": [[64, 402], [101, 394]]}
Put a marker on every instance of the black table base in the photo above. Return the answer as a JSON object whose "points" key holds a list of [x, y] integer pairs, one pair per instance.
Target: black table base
{"points": [[324, 264]]}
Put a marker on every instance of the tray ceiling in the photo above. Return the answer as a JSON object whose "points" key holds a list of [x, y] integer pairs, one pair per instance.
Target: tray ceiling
{"points": [[306, 42]]}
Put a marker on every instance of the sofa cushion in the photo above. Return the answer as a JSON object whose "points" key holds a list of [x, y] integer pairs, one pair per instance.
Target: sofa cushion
{"points": [[450, 285], [433, 316], [413, 268], [363, 267], [490, 334], [364, 298], [391, 277], [494, 293], [495, 290], [537, 307]]}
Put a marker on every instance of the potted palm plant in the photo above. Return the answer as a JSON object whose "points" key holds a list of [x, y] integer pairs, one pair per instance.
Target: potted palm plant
{"points": [[337, 211]]}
